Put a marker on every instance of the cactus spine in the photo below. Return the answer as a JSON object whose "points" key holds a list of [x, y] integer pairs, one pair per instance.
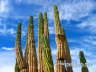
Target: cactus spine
{"points": [[40, 43], [83, 62], [48, 62]]}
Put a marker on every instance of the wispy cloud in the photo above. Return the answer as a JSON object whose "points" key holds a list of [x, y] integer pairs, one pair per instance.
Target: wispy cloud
{"points": [[75, 10], [5, 31], [8, 49], [39, 2], [4, 6], [88, 25]]}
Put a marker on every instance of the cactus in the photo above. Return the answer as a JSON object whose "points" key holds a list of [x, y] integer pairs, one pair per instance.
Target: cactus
{"points": [[63, 53], [83, 62], [60, 52], [19, 55], [32, 57], [48, 62], [40, 43]]}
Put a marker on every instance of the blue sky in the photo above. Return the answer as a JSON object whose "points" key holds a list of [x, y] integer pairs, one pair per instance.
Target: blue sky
{"points": [[78, 17]]}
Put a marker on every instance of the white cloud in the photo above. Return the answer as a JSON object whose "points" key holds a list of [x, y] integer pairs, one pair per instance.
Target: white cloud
{"points": [[5, 31], [4, 6], [89, 40], [88, 25], [87, 43], [39, 2], [9, 49], [10, 31], [74, 10]]}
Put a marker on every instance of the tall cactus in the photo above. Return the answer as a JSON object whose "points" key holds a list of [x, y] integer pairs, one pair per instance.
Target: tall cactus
{"points": [[60, 50], [63, 53], [40, 43], [32, 57], [19, 55], [83, 62], [48, 62]]}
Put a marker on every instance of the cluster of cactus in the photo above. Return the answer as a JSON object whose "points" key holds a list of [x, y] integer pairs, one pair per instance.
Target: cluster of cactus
{"points": [[43, 62]]}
